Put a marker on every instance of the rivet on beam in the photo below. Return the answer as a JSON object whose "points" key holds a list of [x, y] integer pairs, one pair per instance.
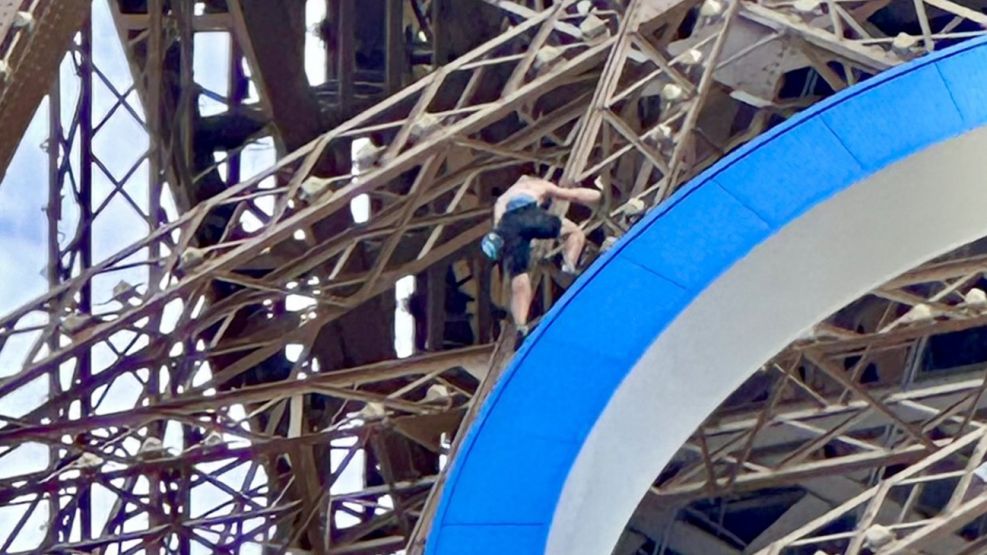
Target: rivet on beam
{"points": [[367, 155], [975, 297], [711, 8], [373, 411], [877, 536], [73, 322], [214, 438], [807, 7], [436, 392], [23, 20], [423, 125], [192, 256], [919, 313], [547, 56], [151, 447], [89, 460], [904, 44], [313, 187], [123, 292], [813, 334], [593, 28], [672, 92], [634, 207], [692, 56]]}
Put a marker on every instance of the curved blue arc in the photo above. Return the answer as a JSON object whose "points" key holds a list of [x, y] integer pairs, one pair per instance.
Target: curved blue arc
{"points": [[504, 485]]}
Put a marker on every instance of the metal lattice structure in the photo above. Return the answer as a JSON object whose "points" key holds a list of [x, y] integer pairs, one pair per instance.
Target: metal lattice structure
{"points": [[636, 97], [871, 401]]}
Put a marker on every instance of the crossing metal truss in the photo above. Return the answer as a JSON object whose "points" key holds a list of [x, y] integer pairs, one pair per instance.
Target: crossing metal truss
{"points": [[35, 35], [952, 466], [851, 399], [89, 185], [637, 97]]}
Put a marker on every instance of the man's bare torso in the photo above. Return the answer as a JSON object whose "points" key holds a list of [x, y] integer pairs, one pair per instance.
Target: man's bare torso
{"points": [[526, 185]]}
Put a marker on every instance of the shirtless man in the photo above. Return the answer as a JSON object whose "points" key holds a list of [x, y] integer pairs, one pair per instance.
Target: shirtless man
{"points": [[519, 217]]}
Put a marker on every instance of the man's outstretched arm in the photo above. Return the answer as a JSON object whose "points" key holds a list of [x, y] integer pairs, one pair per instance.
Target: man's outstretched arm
{"points": [[582, 195]]}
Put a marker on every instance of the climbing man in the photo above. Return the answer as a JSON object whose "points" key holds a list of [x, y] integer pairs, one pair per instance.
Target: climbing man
{"points": [[520, 215]]}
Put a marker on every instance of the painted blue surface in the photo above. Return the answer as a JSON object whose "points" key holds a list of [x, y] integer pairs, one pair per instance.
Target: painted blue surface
{"points": [[503, 488], [710, 225]]}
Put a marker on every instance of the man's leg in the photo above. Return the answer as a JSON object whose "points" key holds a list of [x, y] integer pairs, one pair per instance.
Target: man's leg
{"points": [[521, 300], [573, 241], [517, 256]]}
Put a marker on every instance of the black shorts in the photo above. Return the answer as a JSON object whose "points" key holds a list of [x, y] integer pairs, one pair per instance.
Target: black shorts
{"points": [[518, 227]]}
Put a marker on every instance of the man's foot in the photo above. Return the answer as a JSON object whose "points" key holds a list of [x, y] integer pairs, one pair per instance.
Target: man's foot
{"points": [[567, 268], [522, 333]]}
